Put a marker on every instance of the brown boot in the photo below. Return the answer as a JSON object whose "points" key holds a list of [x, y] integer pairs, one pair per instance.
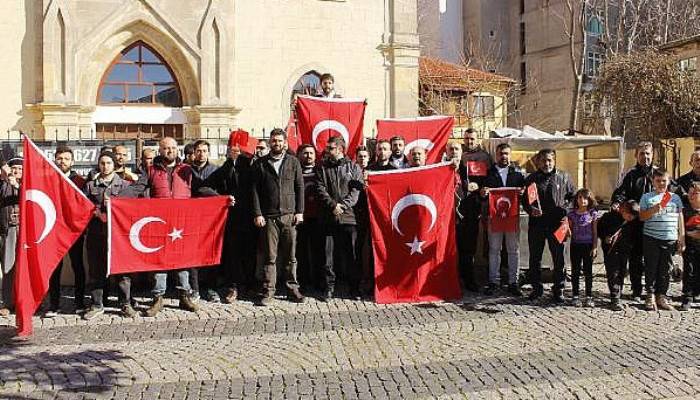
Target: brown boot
{"points": [[155, 308], [187, 304], [663, 304], [649, 303]]}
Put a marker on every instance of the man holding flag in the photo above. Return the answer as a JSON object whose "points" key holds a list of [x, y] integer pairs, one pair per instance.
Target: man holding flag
{"points": [[502, 188], [554, 192]]}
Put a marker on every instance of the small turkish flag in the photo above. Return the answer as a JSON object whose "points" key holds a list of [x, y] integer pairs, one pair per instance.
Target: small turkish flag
{"points": [[431, 133], [504, 209], [412, 218], [665, 199], [243, 140], [53, 213], [532, 195], [292, 140], [318, 119], [477, 168], [165, 234], [561, 233]]}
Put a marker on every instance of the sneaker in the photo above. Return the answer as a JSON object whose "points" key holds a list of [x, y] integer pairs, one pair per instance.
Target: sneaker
{"points": [[231, 296], [589, 302], [649, 303], [155, 308], [93, 313], [514, 289], [615, 305], [264, 301], [490, 290], [187, 304], [213, 297], [50, 313], [128, 311], [194, 296], [663, 304], [576, 302]]}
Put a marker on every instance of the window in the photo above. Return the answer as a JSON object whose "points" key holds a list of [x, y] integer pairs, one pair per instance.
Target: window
{"points": [[523, 49], [139, 76], [595, 26], [308, 84], [593, 63], [688, 64], [484, 107]]}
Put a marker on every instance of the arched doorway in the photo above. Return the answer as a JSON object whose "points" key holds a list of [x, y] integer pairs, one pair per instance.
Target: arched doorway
{"points": [[307, 84], [138, 97]]}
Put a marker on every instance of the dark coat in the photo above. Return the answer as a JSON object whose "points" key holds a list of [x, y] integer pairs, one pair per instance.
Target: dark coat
{"points": [[555, 191], [233, 179], [515, 178], [339, 182], [276, 195], [200, 175], [9, 207], [684, 183], [635, 183]]}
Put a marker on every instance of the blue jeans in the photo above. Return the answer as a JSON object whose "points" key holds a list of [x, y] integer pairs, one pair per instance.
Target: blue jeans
{"points": [[183, 277], [513, 248]]}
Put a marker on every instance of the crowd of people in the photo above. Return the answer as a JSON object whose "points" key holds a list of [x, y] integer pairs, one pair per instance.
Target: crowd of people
{"points": [[306, 216]]}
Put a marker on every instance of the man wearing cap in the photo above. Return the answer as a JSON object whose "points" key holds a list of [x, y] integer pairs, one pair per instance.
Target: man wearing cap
{"points": [[9, 220]]}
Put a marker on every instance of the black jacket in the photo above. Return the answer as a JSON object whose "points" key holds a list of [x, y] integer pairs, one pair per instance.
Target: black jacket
{"points": [[555, 191], [119, 187], [515, 178], [233, 179], [338, 182], [200, 175], [609, 224], [275, 195], [636, 182], [683, 186], [9, 207]]}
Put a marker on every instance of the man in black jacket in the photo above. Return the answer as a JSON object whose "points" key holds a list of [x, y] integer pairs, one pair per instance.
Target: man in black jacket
{"points": [[635, 183], [503, 174], [555, 190], [278, 206], [686, 181], [339, 181], [238, 254]]}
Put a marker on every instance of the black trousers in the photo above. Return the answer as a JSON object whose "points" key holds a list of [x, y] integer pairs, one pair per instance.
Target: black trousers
{"points": [[581, 261], [96, 243], [691, 273], [239, 258], [615, 269], [340, 257], [76, 260], [310, 253], [467, 234], [537, 236], [658, 261], [636, 262], [365, 258]]}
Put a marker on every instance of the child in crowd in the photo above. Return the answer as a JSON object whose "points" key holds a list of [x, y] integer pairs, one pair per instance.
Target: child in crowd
{"points": [[664, 234], [582, 222], [691, 255], [615, 230]]}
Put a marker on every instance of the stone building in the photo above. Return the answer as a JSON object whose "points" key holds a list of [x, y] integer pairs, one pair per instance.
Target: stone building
{"points": [[191, 67]]}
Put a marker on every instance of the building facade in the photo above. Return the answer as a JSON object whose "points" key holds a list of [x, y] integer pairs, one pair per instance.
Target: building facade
{"points": [[86, 67]]}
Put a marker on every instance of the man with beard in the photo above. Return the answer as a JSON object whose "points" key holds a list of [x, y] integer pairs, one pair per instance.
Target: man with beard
{"points": [[398, 158], [310, 245]]}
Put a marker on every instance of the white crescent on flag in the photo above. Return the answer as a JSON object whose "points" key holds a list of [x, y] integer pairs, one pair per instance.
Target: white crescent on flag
{"points": [[413, 200], [333, 125], [135, 232], [47, 207]]}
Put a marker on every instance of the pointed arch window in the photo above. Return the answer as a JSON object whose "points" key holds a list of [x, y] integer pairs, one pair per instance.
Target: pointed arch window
{"points": [[139, 76]]}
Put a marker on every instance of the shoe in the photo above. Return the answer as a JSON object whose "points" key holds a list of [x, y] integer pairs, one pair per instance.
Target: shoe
{"points": [[557, 299], [295, 296], [589, 302], [194, 296], [685, 306], [93, 313], [536, 294], [326, 296], [615, 305], [649, 303], [576, 302], [51, 313], [231, 296], [128, 311], [471, 287], [662, 303], [490, 290], [4, 312], [213, 297], [264, 301], [155, 308], [187, 304], [514, 289], [80, 308]]}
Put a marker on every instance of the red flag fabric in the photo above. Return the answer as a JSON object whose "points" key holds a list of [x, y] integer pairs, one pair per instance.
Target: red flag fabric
{"points": [[165, 234], [412, 218], [291, 130], [53, 213], [504, 209], [318, 119], [665, 199], [532, 195], [563, 231], [243, 140], [477, 168], [429, 132]]}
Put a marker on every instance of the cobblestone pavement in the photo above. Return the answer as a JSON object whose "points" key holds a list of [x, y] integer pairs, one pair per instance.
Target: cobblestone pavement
{"points": [[479, 348]]}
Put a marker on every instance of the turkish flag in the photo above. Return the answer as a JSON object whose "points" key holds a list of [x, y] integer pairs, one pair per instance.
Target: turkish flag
{"points": [[428, 132], [532, 195], [318, 119], [477, 168], [563, 231], [504, 209], [412, 218], [292, 140], [243, 140], [665, 199], [165, 234], [53, 213]]}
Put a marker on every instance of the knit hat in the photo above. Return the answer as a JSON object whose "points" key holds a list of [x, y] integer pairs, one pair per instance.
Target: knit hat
{"points": [[15, 161]]}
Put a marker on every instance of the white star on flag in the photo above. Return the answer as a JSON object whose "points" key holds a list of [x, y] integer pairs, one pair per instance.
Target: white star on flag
{"points": [[175, 234], [415, 246]]}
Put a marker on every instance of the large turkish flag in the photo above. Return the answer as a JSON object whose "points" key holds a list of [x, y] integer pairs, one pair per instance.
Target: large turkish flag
{"points": [[504, 209], [53, 213], [318, 119], [429, 132], [412, 218], [165, 234]]}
